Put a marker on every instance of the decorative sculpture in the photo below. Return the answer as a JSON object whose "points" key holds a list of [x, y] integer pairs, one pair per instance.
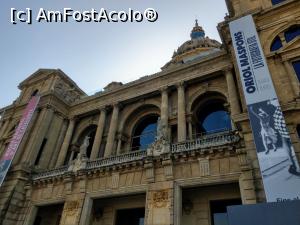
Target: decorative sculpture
{"points": [[84, 146], [81, 159], [161, 144]]}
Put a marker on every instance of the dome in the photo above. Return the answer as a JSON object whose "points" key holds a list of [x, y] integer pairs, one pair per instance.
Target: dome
{"points": [[198, 46], [197, 31]]}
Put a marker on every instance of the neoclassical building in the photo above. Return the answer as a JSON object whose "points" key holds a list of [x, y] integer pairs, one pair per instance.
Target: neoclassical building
{"points": [[171, 148]]}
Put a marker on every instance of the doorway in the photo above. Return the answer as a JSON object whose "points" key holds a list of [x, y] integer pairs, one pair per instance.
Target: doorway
{"points": [[130, 216], [49, 215], [218, 210]]}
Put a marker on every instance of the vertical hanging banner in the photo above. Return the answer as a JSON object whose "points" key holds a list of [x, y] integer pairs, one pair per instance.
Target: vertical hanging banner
{"points": [[277, 160], [12, 148]]}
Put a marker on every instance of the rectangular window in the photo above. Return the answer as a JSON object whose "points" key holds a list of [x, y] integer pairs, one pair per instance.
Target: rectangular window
{"points": [[296, 65], [40, 152], [275, 2]]}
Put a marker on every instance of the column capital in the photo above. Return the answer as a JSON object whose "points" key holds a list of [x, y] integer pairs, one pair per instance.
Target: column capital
{"points": [[60, 114], [285, 60], [180, 84], [121, 136], [189, 118], [226, 106], [227, 69], [164, 89], [73, 118], [48, 106], [103, 109], [118, 105]]}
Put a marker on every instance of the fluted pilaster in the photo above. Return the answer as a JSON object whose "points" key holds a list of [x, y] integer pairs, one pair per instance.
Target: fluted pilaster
{"points": [[181, 113], [99, 134], [232, 93], [66, 143], [112, 131]]}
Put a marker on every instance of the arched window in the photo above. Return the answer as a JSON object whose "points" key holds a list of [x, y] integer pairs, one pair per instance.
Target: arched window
{"points": [[90, 131], [213, 119], [144, 133], [275, 2], [210, 116], [296, 65], [292, 33], [35, 92], [276, 44]]}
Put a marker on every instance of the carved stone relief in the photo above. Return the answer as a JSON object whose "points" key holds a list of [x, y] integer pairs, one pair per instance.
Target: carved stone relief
{"points": [[68, 93]]}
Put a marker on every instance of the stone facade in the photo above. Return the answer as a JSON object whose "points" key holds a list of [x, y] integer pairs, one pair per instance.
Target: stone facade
{"points": [[59, 176]]}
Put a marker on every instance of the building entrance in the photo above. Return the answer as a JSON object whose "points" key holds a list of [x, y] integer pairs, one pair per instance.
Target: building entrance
{"points": [[218, 210], [119, 210], [205, 204], [49, 215], [130, 216]]}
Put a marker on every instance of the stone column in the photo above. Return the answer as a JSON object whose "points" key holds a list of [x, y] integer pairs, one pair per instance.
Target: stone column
{"points": [[293, 79], [31, 215], [62, 133], [2, 147], [190, 127], [164, 114], [4, 128], [177, 204], [119, 144], [47, 116], [66, 143], [50, 152], [99, 134], [112, 132], [232, 93], [181, 126]]}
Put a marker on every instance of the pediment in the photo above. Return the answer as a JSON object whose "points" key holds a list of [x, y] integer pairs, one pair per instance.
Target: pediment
{"points": [[40, 74], [43, 74]]}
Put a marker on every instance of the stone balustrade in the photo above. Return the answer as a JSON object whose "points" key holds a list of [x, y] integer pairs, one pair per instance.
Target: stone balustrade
{"points": [[119, 159], [50, 173], [206, 141], [200, 143]]}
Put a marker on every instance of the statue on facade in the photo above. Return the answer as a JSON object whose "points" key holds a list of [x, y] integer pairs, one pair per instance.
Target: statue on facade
{"points": [[84, 146], [161, 144], [81, 159]]}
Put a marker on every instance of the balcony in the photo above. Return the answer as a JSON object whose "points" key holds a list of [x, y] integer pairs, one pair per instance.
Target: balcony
{"points": [[114, 160], [202, 142], [50, 173]]}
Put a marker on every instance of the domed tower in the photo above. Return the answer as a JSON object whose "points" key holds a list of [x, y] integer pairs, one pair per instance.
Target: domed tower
{"points": [[197, 31], [199, 46]]}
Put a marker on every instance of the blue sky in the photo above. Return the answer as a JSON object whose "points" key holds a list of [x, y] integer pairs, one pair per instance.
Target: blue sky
{"points": [[94, 54]]}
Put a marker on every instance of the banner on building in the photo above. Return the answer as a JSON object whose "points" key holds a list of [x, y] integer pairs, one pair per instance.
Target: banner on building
{"points": [[277, 160], [12, 147]]}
